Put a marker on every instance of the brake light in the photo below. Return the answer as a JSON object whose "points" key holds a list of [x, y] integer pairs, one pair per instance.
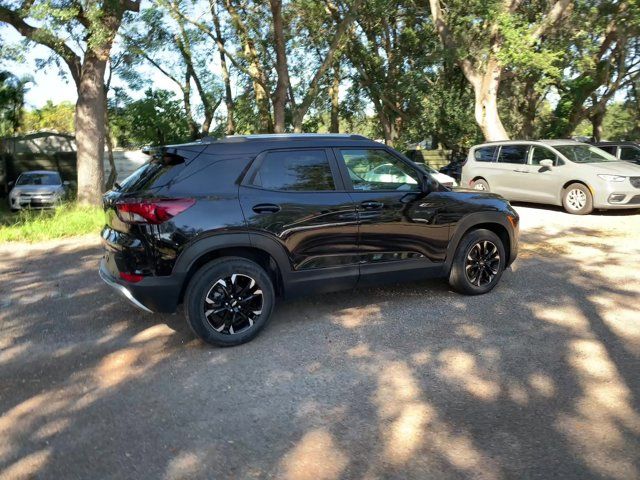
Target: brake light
{"points": [[152, 212], [130, 277]]}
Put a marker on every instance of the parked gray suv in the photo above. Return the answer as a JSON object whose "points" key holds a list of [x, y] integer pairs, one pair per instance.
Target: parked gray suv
{"points": [[577, 176]]}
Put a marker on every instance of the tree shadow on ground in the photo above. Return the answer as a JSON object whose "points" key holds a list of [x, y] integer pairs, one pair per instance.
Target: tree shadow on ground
{"points": [[538, 379]]}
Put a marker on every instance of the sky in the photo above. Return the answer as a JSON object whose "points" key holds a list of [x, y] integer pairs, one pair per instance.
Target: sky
{"points": [[49, 84]]}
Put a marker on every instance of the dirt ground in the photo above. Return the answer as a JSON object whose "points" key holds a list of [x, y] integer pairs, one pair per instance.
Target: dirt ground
{"points": [[538, 379]]}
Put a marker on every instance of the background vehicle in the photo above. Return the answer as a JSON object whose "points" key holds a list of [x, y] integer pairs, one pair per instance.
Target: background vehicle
{"points": [[628, 151], [576, 175], [226, 226], [37, 189], [391, 174]]}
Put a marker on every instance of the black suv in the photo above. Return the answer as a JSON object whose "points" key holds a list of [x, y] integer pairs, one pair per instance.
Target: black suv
{"points": [[227, 226]]}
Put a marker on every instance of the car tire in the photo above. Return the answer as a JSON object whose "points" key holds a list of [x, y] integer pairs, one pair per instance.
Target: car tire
{"points": [[481, 185], [478, 263], [225, 285], [577, 199]]}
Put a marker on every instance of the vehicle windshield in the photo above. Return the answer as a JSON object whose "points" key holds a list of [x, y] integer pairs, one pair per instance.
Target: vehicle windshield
{"points": [[39, 179], [585, 154]]}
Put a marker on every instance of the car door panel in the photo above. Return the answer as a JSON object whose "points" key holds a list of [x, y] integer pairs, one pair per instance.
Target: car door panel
{"points": [[318, 229], [402, 225], [543, 184]]}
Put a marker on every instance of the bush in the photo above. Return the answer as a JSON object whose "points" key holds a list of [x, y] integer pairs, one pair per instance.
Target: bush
{"points": [[67, 220]]}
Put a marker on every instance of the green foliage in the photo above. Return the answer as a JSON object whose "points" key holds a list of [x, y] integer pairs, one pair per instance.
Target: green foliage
{"points": [[156, 119], [12, 91], [37, 225], [621, 122], [57, 117]]}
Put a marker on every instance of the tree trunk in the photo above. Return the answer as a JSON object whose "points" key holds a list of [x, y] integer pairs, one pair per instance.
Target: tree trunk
{"points": [[334, 93], [486, 103], [596, 124], [113, 173], [228, 97], [282, 69], [90, 127]]}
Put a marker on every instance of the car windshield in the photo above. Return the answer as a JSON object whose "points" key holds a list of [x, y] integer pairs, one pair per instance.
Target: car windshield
{"points": [[39, 179], [585, 154]]}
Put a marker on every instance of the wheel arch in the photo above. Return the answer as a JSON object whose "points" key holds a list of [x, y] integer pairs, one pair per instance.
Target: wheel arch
{"points": [[492, 221], [268, 256]]}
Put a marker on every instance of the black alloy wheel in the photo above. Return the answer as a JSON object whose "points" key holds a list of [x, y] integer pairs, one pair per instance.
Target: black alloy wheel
{"points": [[233, 304]]}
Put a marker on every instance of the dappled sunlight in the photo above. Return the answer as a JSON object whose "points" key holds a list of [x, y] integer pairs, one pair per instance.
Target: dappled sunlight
{"points": [[27, 467], [314, 457], [564, 314], [461, 368], [403, 414], [357, 316], [184, 466], [603, 414]]}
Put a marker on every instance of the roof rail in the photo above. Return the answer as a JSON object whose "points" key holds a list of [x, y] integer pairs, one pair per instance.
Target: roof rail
{"points": [[293, 136]]}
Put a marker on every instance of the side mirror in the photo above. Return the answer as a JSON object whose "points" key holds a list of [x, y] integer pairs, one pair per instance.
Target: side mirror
{"points": [[546, 163], [66, 183], [11, 184], [428, 184]]}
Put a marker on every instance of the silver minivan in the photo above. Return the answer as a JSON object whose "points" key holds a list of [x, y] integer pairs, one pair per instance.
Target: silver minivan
{"points": [[577, 176]]}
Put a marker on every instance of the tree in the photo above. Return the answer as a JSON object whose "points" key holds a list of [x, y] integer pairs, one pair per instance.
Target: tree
{"points": [[482, 35], [57, 117], [394, 55], [12, 91], [81, 35], [156, 119], [263, 32], [162, 39], [603, 58]]}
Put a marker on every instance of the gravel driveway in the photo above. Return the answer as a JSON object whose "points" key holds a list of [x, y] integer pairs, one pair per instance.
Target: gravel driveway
{"points": [[539, 379]]}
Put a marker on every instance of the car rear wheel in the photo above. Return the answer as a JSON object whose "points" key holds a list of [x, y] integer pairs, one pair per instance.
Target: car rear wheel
{"points": [[577, 199], [229, 300], [478, 263], [480, 184]]}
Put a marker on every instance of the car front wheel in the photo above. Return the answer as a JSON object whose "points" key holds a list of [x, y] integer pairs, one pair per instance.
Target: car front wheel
{"points": [[577, 199], [478, 263], [229, 301]]}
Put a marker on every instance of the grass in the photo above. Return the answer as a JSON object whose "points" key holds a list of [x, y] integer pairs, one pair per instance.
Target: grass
{"points": [[67, 220]]}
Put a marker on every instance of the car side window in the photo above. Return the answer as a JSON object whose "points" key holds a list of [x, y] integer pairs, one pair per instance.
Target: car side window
{"points": [[513, 154], [294, 170], [611, 149], [629, 153], [485, 154], [375, 169], [541, 153]]}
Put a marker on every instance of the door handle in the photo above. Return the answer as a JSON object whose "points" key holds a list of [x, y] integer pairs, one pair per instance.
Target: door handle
{"points": [[266, 208], [371, 205], [521, 171]]}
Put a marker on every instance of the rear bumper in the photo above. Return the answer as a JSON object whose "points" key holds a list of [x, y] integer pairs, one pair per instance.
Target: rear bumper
{"points": [[152, 294]]}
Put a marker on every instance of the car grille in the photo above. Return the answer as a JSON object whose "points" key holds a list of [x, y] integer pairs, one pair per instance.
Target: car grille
{"points": [[634, 200], [635, 181]]}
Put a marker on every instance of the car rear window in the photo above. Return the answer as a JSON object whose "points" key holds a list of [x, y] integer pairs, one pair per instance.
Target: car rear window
{"points": [[160, 170], [485, 154]]}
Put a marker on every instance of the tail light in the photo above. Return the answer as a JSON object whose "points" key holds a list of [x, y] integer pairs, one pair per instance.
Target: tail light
{"points": [[131, 277], [152, 212]]}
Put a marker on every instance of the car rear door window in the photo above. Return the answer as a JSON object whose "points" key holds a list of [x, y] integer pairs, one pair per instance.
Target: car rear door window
{"points": [[294, 170], [485, 154], [630, 153], [513, 154]]}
